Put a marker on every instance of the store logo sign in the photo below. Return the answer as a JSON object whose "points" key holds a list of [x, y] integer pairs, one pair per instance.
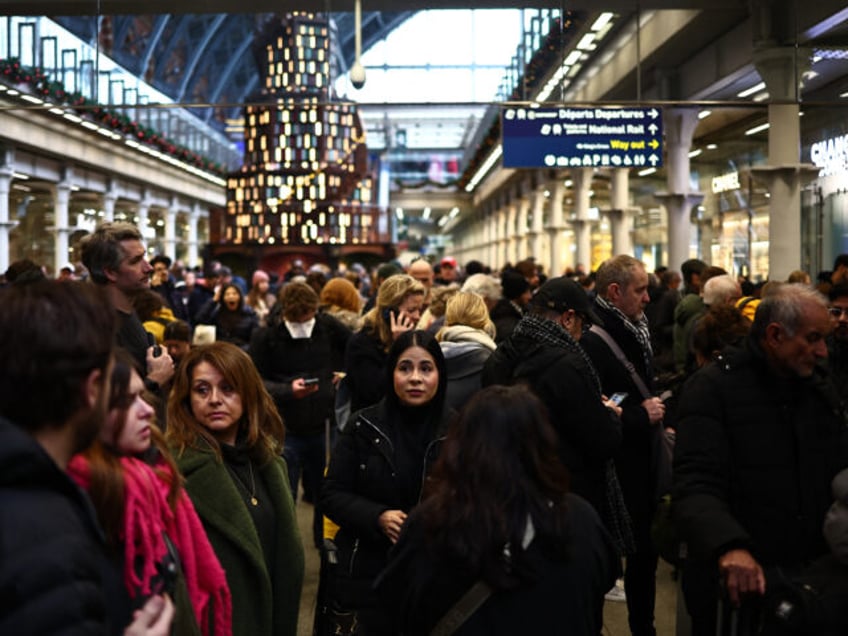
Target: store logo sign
{"points": [[726, 182], [831, 155]]}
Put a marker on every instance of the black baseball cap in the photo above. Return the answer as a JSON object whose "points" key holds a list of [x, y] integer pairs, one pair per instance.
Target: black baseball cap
{"points": [[561, 294]]}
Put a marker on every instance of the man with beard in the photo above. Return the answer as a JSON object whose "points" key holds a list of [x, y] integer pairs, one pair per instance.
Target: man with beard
{"points": [[117, 261], [56, 347], [837, 342]]}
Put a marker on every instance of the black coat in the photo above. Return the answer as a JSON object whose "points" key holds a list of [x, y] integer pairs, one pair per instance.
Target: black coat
{"points": [[562, 596], [637, 460], [279, 358], [51, 550], [589, 433], [365, 364], [505, 317], [754, 459], [365, 478], [230, 326]]}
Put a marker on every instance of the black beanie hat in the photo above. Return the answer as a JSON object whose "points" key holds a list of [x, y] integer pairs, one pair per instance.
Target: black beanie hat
{"points": [[513, 284]]}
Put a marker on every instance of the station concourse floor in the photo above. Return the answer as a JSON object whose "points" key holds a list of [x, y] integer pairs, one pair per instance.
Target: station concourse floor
{"points": [[615, 614]]}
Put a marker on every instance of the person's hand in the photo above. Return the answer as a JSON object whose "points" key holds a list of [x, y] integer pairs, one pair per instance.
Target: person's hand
{"points": [[400, 323], [655, 409], [160, 368], [301, 390], [615, 408], [742, 575], [153, 619], [391, 521]]}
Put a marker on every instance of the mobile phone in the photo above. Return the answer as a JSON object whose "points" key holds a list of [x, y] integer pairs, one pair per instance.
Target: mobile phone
{"points": [[310, 381], [151, 342], [618, 398], [665, 395], [387, 314]]}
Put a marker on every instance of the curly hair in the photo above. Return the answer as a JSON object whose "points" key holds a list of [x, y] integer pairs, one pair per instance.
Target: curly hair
{"points": [[298, 300]]}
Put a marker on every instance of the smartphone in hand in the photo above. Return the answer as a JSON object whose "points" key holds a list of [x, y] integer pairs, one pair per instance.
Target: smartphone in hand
{"points": [[310, 381], [618, 398]]}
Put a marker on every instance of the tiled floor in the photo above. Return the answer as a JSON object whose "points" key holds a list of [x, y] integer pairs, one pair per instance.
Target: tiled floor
{"points": [[615, 614]]}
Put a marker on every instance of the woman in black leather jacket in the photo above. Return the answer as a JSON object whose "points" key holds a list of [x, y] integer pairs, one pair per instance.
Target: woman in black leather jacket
{"points": [[376, 472]]}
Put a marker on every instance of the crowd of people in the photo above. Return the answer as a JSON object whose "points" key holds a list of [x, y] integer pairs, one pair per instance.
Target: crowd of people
{"points": [[486, 452]]}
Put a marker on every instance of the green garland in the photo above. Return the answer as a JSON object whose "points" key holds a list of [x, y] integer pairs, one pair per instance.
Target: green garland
{"points": [[12, 72]]}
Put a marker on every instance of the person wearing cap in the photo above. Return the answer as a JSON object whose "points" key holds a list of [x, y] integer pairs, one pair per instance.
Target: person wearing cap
{"points": [[543, 352], [508, 311], [622, 286], [447, 271]]}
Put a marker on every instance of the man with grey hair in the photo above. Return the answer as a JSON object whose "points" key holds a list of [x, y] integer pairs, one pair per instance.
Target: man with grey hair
{"points": [[621, 352], [722, 290], [761, 433], [117, 261]]}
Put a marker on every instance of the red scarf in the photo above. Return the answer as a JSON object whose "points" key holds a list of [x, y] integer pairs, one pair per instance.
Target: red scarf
{"points": [[146, 515]]}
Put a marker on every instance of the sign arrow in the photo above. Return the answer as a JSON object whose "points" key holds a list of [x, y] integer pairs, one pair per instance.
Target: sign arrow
{"points": [[654, 113], [653, 128], [654, 144], [653, 159]]}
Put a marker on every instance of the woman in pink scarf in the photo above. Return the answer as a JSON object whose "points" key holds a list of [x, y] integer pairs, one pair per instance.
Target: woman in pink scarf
{"points": [[135, 487]]}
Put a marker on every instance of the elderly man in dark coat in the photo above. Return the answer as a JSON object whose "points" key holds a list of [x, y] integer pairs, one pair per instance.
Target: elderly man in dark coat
{"points": [[761, 433]]}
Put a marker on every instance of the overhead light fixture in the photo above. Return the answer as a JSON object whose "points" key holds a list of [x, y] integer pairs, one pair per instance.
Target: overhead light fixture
{"points": [[646, 172], [357, 71], [426, 214], [712, 146], [843, 95], [587, 42], [756, 88], [483, 170], [757, 129], [399, 213], [18, 175], [31, 99], [704, 114], [572, 58], [454, 211], [602, 21], [695, 153]]}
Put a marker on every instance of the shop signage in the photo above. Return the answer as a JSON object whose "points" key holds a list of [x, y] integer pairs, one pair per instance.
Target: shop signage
{"points": [[726, 182], [581, 137], [831, 155]]}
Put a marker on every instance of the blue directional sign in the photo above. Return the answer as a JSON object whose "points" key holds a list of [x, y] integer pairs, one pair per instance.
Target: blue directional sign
{"points": [[566, 137]]}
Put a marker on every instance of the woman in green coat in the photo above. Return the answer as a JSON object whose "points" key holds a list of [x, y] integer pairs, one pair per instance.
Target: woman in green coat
{"points": [[227, 436]]}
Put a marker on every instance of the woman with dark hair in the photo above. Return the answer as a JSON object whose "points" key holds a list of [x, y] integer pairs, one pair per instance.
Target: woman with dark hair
{"points": [[233, 318], [376, 472], [135, 487], [227, 437], [497, 512]]}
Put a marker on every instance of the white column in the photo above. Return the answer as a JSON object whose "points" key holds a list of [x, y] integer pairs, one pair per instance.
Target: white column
{"points": [[536, 233], [6, 225], [503, 235], [493, 239], [781, 68], [620, 217], [582, 178], [171, 230], [679, 124], [556, 227], [193, 218], [521, 229], [143, 221], [110, 197], [61, 231], [511, 232]]}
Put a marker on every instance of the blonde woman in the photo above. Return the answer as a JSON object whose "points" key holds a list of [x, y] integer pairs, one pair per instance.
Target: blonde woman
{"points": [[397, 310], [467, 341]]}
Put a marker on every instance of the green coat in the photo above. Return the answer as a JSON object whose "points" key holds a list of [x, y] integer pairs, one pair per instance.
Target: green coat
{"points": [[258, 610]]}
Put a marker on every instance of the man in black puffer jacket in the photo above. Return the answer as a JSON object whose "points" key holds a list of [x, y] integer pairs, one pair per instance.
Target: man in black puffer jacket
{"points": [[761, 433]]}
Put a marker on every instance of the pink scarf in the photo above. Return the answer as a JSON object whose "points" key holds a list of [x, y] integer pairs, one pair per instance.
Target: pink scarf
{"points": [[146, 515]]}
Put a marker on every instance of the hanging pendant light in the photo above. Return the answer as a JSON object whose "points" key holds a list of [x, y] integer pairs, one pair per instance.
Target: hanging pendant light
{"points": [[357, 71]]}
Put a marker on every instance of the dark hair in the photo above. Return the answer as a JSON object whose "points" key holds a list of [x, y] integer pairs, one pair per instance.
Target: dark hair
{"points": [[147, 303], [102, 250], [298, 299], [177, 330], [497, 468], [837, 291], [428, 342], [53, 334], [721, 326], [839, 261], [24, 271], [161, 258], [240, 294]]}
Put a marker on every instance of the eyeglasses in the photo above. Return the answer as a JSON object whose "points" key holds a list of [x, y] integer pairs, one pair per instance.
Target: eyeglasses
{"points": [[836, 312]]}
